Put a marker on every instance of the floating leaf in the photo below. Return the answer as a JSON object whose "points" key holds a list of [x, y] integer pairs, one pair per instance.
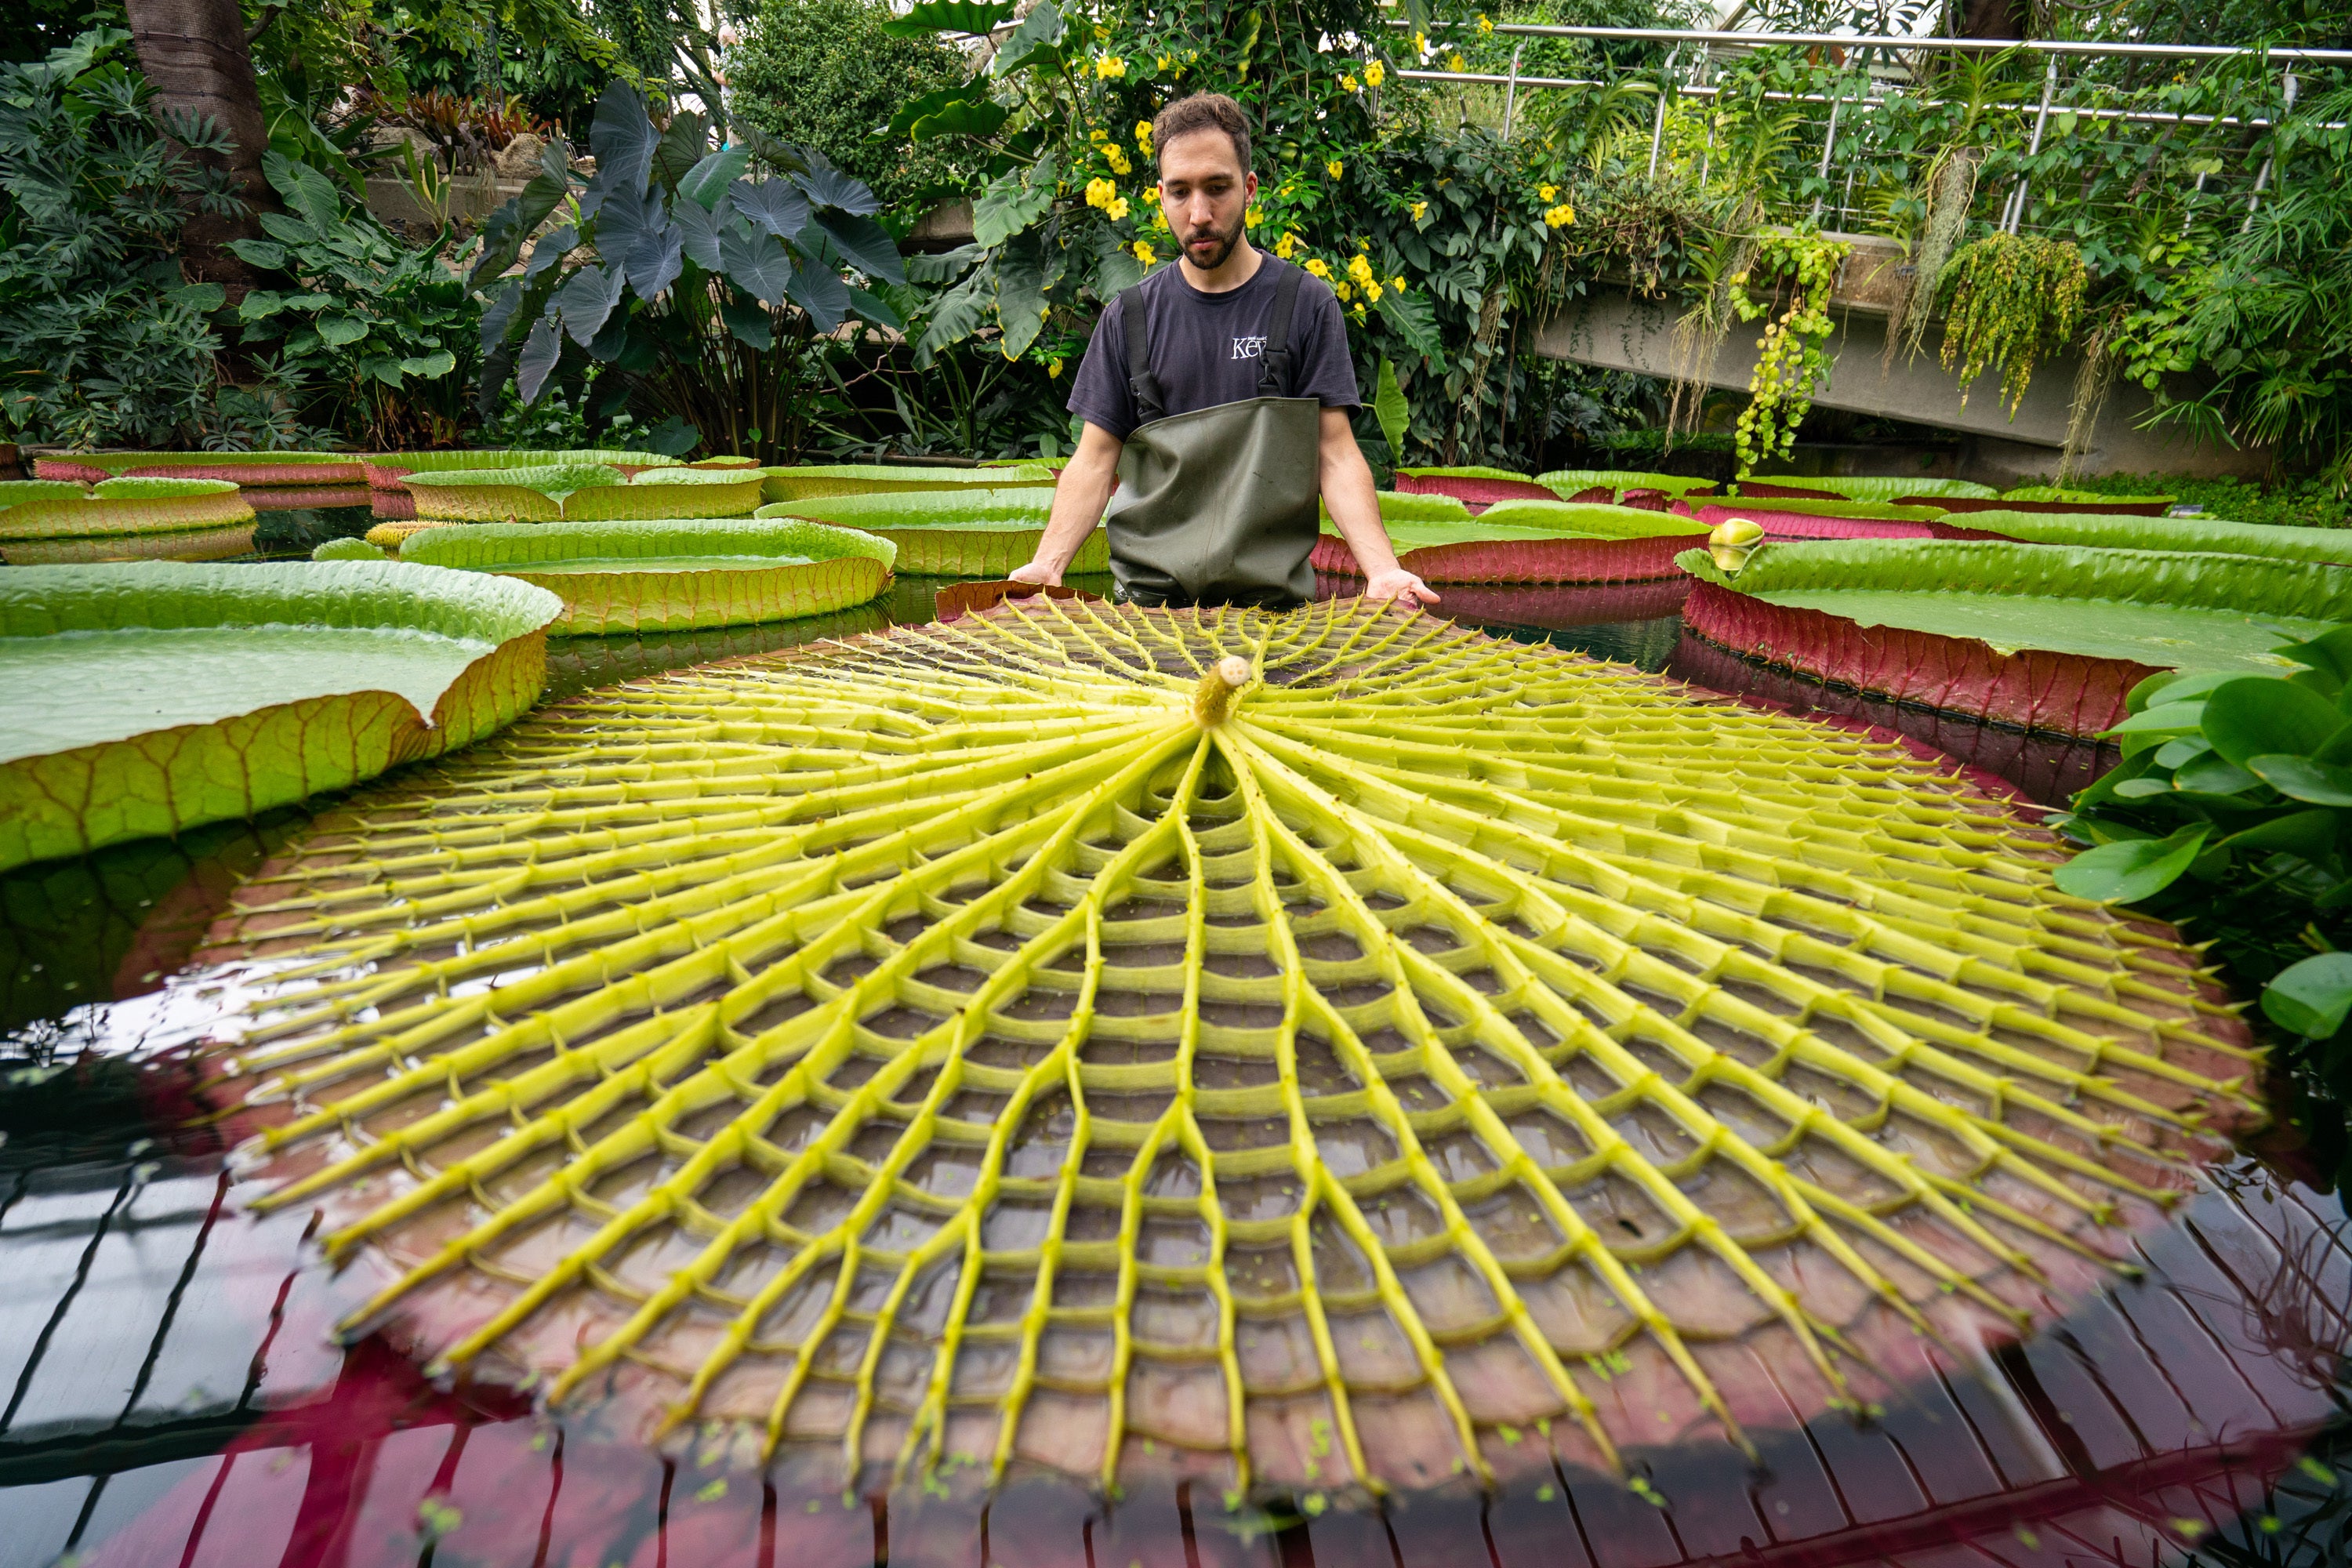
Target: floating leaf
{"points": [[1312, 1036]]}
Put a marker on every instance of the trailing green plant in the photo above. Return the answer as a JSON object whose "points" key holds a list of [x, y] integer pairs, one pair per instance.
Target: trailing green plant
{"points": [[2232, 814], [2015, 302], [375, 336], [101, 341], [1788, 284], [699, 292]]}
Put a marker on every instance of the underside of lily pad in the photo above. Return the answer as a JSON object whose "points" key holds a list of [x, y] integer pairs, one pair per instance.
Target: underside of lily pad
{"points": [[148, 698], [250, 470], [2046, 637], [960, 533], [1529, 542], [671, 577], [1333, 1051], [811, 481], [581, 492]]}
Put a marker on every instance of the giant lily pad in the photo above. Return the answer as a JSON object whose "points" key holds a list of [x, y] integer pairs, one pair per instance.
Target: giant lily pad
{"points": [[812, 481], [1529, 542], [143, 699], [1308, 1054], [2045, 636], [671, 577], [960, 533], [250, 470], [54, 520], [1879, 487], [387, 471], [1475, 487], [1567, 483], [2131, 531], [581, 492]]}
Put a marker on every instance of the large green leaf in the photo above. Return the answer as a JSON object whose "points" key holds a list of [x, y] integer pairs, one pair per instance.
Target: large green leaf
{"points": [[2313, 996], [1035, 42], [1879, 486], [706, 182], [192, 694], [958, 313], [1008, 205], [2330, 545], [47, 509], [671, 577], [974, 17], [968, 531], [2132, 870], [1020, 297], [1571, 481], [1468, 998], [1414, 320], [1390, 407]]}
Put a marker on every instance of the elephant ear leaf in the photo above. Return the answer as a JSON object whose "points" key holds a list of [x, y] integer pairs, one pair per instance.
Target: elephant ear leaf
{"points": [[586, 301], [757, 264], [829, 187], [775, 206], [540, 351], [1036, 41], [705, 184], [680, 150], [863, 244], [623, 139]]}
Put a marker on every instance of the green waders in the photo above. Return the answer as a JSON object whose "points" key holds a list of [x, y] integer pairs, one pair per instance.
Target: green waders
{"points": [[1218, 506]]}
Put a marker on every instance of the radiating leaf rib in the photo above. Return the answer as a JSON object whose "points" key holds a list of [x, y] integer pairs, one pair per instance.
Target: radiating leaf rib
{"points": [[730, 956]]}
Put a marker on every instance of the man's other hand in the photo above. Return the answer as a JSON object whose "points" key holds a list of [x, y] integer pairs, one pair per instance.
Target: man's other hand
{"points": [[1402, 586], [1035, 571]]}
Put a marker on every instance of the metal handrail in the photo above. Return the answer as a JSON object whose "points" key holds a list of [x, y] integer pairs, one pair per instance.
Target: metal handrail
{"points": [[1882, 41]]}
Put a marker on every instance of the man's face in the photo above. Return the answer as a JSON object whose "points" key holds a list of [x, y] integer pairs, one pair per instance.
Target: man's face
{"points": [[1205, 193]]}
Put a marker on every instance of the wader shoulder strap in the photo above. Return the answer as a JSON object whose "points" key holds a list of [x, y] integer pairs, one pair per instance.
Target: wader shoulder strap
{"points": [[1141, 385], [1275, 360]]}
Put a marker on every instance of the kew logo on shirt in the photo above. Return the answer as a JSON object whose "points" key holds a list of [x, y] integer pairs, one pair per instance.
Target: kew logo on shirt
{"points": [[1248, 348]]}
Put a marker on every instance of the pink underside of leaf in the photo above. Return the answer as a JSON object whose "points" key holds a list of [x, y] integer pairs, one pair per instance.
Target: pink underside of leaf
{"points": [[2033, 689], [1805, 525], [1536, 560], [1475, 494]]}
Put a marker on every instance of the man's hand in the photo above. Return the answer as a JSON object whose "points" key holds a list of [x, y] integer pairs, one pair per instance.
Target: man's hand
{"points": [[1078, 498], [1398, 584], [1037, 571]]}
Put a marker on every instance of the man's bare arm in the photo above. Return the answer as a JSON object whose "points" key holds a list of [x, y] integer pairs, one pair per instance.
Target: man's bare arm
{"points": [[1078, 501], [1355, 508]]}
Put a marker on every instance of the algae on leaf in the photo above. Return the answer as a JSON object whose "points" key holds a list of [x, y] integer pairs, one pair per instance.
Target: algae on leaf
{"points": [[671, 577], [1329, 1050], [139, 699]]}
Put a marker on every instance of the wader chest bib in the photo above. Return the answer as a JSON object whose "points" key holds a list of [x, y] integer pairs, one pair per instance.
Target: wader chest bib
{"points": [[1217, 506]]}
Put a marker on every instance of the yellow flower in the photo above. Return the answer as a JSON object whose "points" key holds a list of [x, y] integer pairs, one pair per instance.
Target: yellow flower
{"points": [[1102, 34], [1375, 73], [1348, 84], [1117, 209], [1101, 193], [1254, 217], [1372, 292], [1360, 269], [1145, 253], [1286, 245], [1143, 133], [1110, 67], [1561, 216], [1165, 61], [1547, 192], [1336, 167], [1417, 209], [1453, 62], [1053, 370], [1096, 133], [1317, 266], [1421, 44], [1344, 292], [1485, 23], [1118, 158], [1397, 282]]}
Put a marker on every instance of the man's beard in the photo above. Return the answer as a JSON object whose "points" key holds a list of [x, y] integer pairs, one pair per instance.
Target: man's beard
{"points": [[1230, 239]]}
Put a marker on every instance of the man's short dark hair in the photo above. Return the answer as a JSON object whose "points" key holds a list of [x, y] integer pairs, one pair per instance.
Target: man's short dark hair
{"points": [[1204, 111]]}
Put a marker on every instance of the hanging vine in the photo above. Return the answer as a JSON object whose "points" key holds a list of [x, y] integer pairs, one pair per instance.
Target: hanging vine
{"points": [[1788, 284], [2015, 301]]}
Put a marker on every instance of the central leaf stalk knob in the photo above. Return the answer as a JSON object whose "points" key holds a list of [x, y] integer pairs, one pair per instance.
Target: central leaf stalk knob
{"points": [[1213, 700]]}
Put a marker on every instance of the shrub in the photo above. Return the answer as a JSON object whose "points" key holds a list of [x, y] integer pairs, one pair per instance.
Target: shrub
{"points": [[824, 74]]}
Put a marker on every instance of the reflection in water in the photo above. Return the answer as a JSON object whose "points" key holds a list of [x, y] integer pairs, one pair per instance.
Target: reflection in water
{"points": [[173, 1397], [290, 533], [580, 664], [2045, 768], [1634, 623]]}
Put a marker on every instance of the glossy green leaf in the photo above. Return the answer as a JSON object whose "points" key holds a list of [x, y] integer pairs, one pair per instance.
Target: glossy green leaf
{"points": [[2135, 869], [1389, 405], [975, 19], [2311, 997], [2301, 778], [2255, 717], [706, 182]]}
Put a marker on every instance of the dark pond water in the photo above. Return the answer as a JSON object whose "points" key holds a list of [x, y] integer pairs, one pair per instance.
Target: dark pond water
{"points": [[170, 1396]]}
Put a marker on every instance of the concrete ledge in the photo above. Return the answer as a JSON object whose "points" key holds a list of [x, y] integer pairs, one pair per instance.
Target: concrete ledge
{"points": [[1611, 331]]}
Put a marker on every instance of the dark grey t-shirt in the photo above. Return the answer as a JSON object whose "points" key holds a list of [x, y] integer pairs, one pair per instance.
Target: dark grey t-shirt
{"points": [[1205, 347]]}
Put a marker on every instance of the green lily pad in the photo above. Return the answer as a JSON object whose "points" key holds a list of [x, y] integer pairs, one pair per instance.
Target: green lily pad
{"points": [[812, 481], [959, 533], [44, 521], [618, 577], [581, 492], [147, 698]]}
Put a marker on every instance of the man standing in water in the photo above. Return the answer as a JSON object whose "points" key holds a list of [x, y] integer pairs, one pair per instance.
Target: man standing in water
{"points": [[1218, 393]]}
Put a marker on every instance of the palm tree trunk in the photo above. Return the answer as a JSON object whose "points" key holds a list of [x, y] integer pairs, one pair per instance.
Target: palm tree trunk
{"points": [[195, 55]]}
